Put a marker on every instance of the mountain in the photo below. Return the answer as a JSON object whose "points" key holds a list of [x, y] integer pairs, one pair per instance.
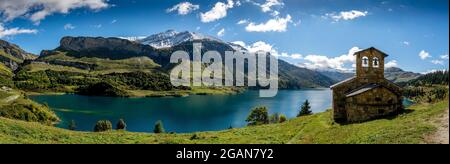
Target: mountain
{"points": [[101, 55], [337, 75], [293, 77], [12, 55], [173, 38], [393, 74], [398, 75]]}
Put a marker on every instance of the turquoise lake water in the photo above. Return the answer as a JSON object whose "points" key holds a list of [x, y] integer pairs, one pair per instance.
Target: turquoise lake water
{"points": [[180, 114]]}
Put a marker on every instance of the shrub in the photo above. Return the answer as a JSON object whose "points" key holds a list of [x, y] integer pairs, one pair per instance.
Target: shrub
{"points": [[283, 118], [103, 125], [274, 118], [121, 125], [305, 109], [159, 127], [194, 137], [72, 125], [104, 88], [258, 116], [28, 110]]}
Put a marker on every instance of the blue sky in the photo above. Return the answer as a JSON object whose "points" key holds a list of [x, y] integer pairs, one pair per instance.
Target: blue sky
{"points": [[317, 34]]}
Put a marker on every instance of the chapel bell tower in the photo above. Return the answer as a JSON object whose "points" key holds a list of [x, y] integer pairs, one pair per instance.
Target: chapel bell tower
{"points": [[370, 64]]}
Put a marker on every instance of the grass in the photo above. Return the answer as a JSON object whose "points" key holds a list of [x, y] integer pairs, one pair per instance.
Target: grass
{"points": [[410, 127], [35, 67], [5, 71], [9, 56], [104, 66], [14, 105]]}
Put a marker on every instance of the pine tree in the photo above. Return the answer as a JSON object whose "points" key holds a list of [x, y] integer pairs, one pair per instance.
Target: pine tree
{"points": [[103, 125], [121, 125], [305, 109], [159, 127], [72, 125]]}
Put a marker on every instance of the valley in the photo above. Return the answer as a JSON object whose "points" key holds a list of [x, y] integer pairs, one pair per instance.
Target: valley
{"points": [[137, 71]]}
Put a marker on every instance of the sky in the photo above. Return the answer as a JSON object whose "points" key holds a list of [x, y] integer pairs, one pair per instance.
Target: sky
{"points": [[316, 34]]}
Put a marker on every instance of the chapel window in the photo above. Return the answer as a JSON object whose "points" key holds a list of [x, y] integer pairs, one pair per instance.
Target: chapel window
{"points": [[376, 62], [365, 61]]}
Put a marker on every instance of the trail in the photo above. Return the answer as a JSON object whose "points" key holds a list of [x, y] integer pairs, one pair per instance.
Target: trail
{"points": [[441, 136], [11, 98]]}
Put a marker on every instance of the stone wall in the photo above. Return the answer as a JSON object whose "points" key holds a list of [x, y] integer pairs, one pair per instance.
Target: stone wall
{"points": [[372, 104]]}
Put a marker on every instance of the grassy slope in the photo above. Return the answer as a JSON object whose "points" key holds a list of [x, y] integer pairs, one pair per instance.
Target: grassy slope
{"points": [[14, 105], [406, 128], [9, 56], [105, 66], [5, 71]]}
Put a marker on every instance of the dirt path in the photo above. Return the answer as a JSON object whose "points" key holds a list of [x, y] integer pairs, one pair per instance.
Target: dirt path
{"points": [[441, 136], [11, 98]]}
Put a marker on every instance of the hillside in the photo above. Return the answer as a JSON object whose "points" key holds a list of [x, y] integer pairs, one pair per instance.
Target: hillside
{"points": [[5, 75], [15, 105], [410, 127], [398, 75], [91, 57], [336, 75], [12, 55]]}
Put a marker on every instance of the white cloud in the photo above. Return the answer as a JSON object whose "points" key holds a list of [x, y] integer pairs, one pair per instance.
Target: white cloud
{"points": [[440, 62], [98, 26], [267, 6], [238, 3], [219, 11], [325, 63], [346, 15], [37, 10], [5, 32], [113, 21], [69, 26], [444, 56], [275, 13], [244, 21], [296, 56], [183, 8], [221, 32], [406, 43], [297, 23], [431, 71], [261, 46], [424, 55], [265, 47], [273, 25], [392, 63]]}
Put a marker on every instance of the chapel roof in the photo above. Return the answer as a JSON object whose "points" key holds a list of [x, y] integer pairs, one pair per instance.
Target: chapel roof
{"points": [[372, 49]]}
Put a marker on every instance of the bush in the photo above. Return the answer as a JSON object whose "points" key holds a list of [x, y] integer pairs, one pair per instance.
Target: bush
{"points": [[305, 109], [159, 127], [103, 125], [274, 118], [283, 118], [104, 88], [27, 110], [121, 125], [194, 137], [258, 116], [72, 125]]}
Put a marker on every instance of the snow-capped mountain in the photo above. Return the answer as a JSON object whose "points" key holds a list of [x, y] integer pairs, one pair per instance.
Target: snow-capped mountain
{"points": [[172, 38]]}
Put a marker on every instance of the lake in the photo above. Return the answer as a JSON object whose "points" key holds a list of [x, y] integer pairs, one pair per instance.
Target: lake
{"points": [[179, 114]]}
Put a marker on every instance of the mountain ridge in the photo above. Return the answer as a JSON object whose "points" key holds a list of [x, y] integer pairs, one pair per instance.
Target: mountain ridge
{"points": [[292, 77]]}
